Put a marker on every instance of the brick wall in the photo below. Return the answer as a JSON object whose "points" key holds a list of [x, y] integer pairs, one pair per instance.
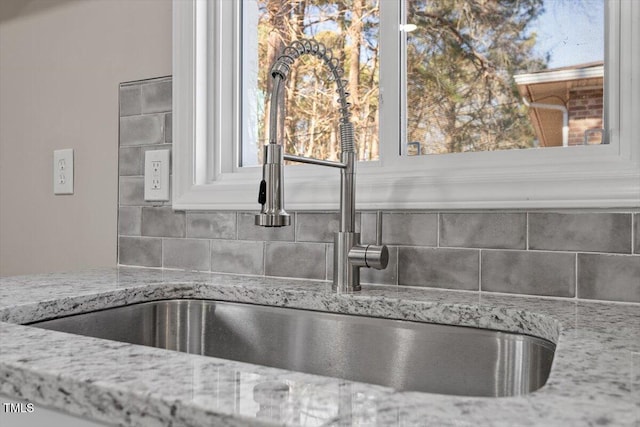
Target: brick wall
{"points": [[585, 112], [571, 254]]}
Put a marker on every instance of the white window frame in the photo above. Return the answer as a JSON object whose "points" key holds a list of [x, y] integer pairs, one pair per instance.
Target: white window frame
{"points": [[207, 97]]}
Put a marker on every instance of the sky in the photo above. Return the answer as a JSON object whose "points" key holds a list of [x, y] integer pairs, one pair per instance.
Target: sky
{"points": [[572, 31]]}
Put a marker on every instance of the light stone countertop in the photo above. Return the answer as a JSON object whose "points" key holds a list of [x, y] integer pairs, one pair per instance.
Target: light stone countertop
{"points": [[595, 378]]}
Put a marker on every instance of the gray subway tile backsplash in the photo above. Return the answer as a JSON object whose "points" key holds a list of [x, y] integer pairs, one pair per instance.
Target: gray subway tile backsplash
{"points": [[140, 251], [583, 232], [454, 249], [129, 220], [414, 229], [131, 191], [130, 100], [142, 130], [186, 254], [211, 225], [439, 268], [168, 128], [237, 256], [291, 259], [609, 277], [329, 262], [532, 273], [156, 96], [130, 161], [163, 222], [368, 227], [483, 230], [316, 227]]}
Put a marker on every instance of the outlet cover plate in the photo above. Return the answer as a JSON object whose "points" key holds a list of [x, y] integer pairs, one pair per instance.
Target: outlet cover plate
{"points": [[156, 175], [63, 171]]}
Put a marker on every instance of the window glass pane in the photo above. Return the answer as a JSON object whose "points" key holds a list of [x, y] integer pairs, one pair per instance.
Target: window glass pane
{"points": [[311, 120], [471, 66]]}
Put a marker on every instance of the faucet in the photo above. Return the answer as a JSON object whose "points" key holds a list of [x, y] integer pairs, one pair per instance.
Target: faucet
{"points": [[348, 254]]}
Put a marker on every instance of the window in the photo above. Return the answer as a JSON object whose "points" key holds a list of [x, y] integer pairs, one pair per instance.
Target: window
{"points": [[351, 31], [472, 68], [211, 98]]}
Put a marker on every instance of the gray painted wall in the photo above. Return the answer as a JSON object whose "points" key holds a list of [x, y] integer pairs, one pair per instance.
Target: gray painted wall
{"points": [[61, 62]]}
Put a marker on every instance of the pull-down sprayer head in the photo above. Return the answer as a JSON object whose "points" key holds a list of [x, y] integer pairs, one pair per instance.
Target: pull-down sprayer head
{"points": [[271, 194]]}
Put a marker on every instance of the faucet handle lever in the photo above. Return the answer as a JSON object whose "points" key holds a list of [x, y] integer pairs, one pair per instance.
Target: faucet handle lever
{"points": [[371, 256]]}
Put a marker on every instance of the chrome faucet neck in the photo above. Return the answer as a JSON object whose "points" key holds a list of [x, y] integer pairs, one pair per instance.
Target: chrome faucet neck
{"points": [[349, 255]]}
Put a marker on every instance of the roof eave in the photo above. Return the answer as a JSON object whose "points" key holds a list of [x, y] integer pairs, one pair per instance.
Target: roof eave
{"points": [[559, 76]]}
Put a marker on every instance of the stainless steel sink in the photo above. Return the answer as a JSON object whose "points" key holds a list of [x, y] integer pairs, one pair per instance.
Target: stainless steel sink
{"points": [[400, 354]]}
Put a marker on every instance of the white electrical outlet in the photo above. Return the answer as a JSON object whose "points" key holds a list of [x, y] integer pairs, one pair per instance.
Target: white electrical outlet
{"points": [[156, 175], [63, 171]]}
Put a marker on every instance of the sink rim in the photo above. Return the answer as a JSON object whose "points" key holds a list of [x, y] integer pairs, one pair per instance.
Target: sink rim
{"points": [[533, 359], [432, 304], [547, 343]]}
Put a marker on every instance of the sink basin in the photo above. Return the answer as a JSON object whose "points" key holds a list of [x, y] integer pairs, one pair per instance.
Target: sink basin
{"points": [[403, 355]]}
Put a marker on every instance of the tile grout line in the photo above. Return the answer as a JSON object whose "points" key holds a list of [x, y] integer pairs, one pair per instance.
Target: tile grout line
{"points": [[480, 270], [576, 277], [438, 220], [633, 234], [237, 234], [532, 251], [397, 265], [526, 232], [326, 261], [264, 258], [209, 256]]}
